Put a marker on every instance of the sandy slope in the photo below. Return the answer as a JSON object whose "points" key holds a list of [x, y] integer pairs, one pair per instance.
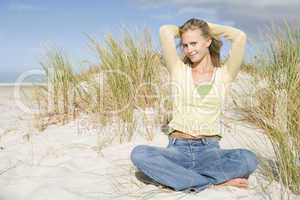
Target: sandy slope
{"points": [[64, 162]]}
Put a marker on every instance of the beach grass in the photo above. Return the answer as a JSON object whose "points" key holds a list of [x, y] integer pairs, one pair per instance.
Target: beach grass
{"points": [[55, 100], [128, 77], [275, 104], [130, 72]]}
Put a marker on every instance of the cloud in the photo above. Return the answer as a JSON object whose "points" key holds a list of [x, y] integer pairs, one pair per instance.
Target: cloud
{"points": [[210, 13], [24, 7], [163, 16], [195, 10], [256, 3], [250, 16]]}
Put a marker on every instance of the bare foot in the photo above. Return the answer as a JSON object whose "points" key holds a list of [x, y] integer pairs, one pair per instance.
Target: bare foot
{"points": [[236, 182]]}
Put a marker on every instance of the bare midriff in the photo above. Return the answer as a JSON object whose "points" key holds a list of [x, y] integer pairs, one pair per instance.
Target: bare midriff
{"points": [[182, 135]]}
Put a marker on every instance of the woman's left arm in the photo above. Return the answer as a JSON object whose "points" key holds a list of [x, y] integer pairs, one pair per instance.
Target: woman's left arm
{"points": [[236, 54]]}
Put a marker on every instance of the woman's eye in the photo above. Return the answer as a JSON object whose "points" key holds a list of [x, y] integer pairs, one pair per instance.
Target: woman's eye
{"points": [[184, 46], [193, 43]]}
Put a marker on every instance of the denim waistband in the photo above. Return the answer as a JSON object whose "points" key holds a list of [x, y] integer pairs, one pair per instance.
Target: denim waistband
{"points": [[202, 140]]}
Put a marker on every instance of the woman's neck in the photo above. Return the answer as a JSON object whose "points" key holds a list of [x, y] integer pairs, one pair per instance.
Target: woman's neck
{"points": [[204, 65]]}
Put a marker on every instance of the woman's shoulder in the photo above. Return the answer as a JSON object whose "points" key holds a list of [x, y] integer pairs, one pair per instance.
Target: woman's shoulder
{"points": [[181, 66], [221, 74], [220, 70]]}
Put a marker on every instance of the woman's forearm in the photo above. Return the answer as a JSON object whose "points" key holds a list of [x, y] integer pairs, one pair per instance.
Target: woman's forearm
{"points": [[236, 54], [227, 32], [168, 34], [170, 28]]}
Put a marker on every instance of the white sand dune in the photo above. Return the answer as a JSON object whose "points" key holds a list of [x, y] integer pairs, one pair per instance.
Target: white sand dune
{"points": [[64, 162]]}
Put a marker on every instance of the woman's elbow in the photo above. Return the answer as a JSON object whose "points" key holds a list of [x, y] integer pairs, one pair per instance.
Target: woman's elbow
{"points": [[163, 29], [243, 36]]}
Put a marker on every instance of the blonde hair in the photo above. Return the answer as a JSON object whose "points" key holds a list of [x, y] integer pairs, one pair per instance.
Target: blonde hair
{"points": [[215, 46]]}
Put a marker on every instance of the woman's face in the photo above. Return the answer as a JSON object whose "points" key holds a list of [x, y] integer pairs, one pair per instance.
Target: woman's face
{"points": [[194, 45]]}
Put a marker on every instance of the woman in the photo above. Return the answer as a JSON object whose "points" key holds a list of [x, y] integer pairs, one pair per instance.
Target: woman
{"points": [[193, 159]]}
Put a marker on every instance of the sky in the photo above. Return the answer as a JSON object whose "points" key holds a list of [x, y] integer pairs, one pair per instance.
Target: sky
{"points": [[29, 27]]}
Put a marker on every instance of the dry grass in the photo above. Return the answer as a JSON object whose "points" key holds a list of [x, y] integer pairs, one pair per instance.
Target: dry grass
{"points": [[129, 76], [56, 101], [275, 105]]}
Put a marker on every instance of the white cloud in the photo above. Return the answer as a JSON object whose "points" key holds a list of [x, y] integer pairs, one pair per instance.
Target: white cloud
{"points": [[196, 10], [251, 16], [163, 16], [21, 7], [254, 3], [209, 13]]}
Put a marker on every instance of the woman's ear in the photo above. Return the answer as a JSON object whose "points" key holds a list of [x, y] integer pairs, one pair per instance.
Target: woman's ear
{"points": [[208, 42]]}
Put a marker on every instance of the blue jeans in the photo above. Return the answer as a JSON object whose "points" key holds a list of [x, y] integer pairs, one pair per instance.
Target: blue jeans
{"points": [[193, 165]]}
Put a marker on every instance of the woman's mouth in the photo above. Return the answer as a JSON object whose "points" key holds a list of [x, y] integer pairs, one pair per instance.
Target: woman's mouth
{"points": [[193, 55]]}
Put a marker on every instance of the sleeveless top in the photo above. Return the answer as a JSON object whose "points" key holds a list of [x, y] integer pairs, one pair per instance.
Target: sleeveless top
{"points": [[197, 107]]}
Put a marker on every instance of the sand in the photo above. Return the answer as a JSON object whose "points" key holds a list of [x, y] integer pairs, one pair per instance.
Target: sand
{"points": [[65, 161]]}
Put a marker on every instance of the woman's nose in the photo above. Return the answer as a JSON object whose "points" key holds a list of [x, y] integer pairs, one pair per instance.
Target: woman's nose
{"points": [[190, 49]]}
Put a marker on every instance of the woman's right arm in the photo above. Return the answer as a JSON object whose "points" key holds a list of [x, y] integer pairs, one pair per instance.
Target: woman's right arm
{"points": [[168, 34]]}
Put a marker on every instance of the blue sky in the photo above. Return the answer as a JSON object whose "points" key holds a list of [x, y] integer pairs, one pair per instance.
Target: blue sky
{"points": [[28, 26]]}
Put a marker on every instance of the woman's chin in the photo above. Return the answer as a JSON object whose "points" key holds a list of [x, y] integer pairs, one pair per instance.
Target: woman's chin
{"points": [[194, 60]]}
